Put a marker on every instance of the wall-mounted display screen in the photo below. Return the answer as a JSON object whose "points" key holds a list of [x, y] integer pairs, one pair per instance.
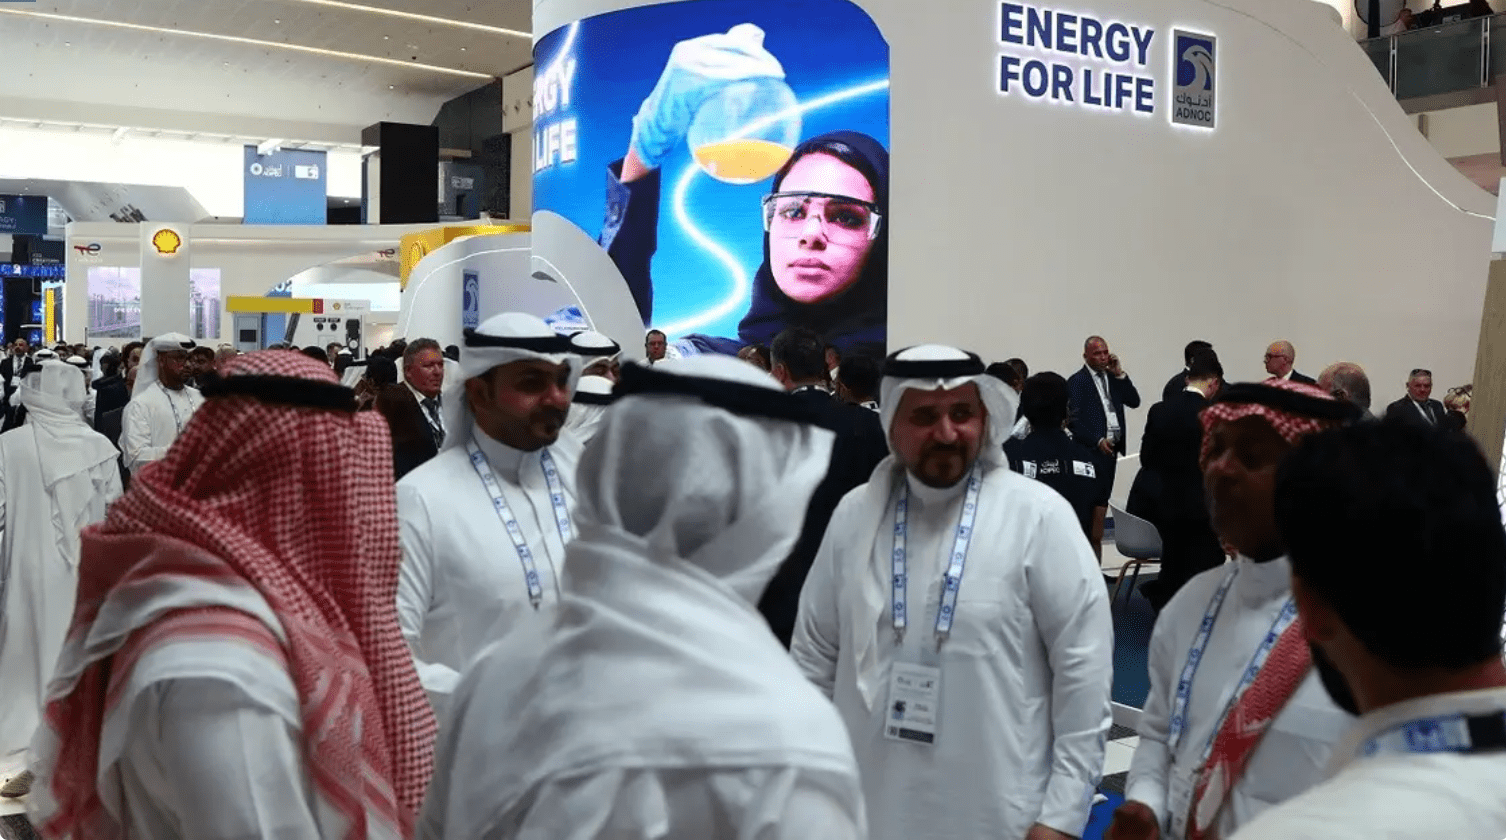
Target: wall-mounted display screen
{"points": [[114, 302]]}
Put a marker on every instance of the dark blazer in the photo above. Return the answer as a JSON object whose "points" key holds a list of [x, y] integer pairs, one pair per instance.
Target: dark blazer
{"points": [[1305, 380], [1175, 385], [1088, 423], [859, 447], [1406, 411], [109, 394], [412, 439], [1169, 448]]}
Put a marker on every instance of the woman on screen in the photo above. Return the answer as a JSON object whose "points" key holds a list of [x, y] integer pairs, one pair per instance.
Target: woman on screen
{"points": [[826, 239]]}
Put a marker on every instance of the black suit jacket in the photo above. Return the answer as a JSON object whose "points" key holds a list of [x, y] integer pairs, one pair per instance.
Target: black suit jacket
{"points": [[412, 438], [1088, 423], [859, 447], [1175, 385], [1406, 411], [1170, 447], [110, 393], [1305, 380]]}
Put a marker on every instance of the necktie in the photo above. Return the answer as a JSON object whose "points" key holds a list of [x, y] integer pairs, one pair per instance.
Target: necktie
{"points": [[431, 405]]}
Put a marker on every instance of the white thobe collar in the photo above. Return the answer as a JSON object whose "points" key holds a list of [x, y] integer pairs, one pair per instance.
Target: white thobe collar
{"points": [[1377, 721], [506, 461], [928, 497], [1260, 583]]}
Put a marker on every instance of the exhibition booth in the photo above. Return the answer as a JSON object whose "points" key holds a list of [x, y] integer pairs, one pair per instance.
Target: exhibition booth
{"points": [[123, 281], [1012, 177]]}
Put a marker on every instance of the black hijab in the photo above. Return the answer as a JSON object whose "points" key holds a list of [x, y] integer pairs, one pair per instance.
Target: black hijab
{"points": [[855, 320]]}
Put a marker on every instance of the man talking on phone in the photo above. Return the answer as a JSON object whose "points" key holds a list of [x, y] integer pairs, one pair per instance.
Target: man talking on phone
{"points": [[1099, 394]]}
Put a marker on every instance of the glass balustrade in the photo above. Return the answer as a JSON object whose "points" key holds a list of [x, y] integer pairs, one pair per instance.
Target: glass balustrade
{"points": [[1447, 58]]}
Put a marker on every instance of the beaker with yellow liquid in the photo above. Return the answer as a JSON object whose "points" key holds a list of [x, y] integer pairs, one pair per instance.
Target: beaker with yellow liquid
{"points": [[747, 131]]}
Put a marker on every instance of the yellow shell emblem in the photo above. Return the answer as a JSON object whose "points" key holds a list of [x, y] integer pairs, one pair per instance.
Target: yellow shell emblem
{"points": [[167, 241], [417, 252]]}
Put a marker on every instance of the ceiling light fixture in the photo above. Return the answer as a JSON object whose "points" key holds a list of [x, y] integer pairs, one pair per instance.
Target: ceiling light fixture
{"points": [[439, 21], [235, 39]]}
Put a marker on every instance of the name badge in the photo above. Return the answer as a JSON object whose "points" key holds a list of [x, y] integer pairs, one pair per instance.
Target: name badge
{"points": [[1084, 469], [1028, 469], [914, 703]]}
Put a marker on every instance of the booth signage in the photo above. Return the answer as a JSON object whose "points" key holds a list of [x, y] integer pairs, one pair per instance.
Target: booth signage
{"points": [[1193, 95], [556, 136], [1081, 60], [286, 187], [24, 215]]}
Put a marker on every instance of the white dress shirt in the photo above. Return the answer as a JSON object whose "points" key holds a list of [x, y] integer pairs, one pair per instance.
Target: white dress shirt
{"points": [[1400, 796], [462, 584], [152, 420], [1290, 757], [1025, 674]]}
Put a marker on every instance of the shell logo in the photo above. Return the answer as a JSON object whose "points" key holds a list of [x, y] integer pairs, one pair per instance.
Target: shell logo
{"points": [[417, 252], [167, 241]]}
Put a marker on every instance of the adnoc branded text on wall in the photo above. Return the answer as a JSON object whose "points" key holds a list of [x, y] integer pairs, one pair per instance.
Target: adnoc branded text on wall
{"points": [[1078, 59]]}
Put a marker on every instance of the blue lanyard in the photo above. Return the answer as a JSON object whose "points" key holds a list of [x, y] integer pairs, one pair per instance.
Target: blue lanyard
{"points": [[1178, 723], [510, 523], [177, 420], [952, 582], [1458, 733]]}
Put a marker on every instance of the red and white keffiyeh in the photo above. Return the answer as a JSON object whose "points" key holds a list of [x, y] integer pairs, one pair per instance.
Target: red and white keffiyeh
{"points": [[1291, 425], [296, 502]]}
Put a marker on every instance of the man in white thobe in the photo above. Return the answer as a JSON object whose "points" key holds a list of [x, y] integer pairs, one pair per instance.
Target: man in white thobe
{"points": [[161, 403], [957, 618], [484, 524], [653, 701], [56, 477], [593, 395], [1222, 629], [1422, 662]]}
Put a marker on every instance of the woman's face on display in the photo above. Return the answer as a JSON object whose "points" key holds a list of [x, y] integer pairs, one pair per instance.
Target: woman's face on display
{"points": [[817, 248]]}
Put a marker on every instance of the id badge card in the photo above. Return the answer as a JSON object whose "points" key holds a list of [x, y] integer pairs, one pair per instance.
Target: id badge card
{"points": [[914, 703]]}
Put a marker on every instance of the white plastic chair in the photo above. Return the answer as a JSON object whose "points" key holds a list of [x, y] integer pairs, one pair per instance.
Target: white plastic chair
{"points": [[1136, 539]]}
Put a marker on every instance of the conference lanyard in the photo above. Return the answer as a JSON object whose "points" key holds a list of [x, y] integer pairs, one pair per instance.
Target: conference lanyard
{"points": [[952, 582], [510, 522], [1459, 733], [1178, 723], [177, 419]]}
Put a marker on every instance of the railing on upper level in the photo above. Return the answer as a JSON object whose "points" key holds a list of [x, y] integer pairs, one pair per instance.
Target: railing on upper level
{"points": [[1442, 66]]}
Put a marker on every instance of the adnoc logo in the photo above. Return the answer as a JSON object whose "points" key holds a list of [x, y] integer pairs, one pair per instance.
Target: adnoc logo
{"points": [[167, 241], [1194, 94]]}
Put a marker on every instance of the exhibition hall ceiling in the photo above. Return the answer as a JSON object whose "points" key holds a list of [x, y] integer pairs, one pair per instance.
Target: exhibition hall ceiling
{"points": [[326, 66]]}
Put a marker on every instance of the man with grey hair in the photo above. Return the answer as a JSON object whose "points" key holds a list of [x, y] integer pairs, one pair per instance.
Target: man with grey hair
{"points": [[1347, 381], [1279, 360]]}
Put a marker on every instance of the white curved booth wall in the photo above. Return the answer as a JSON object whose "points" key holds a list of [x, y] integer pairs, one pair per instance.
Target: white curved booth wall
{"points": [[511, 280]]}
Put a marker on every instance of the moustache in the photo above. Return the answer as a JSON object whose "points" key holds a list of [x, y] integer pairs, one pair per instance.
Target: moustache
{"points": [[549, 415], [945, 449]]}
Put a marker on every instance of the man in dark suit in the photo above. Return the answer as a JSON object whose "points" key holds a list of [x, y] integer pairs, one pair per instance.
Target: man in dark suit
{"points": [[1099, 394], [1417, 407], [412, 407], [799, 358], [1170, 449], [110, 389], [1279, 359], [1177, 384]]}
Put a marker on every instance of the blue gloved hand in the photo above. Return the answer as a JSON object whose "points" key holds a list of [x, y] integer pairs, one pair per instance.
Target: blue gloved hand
{"points": [[697, 70]]}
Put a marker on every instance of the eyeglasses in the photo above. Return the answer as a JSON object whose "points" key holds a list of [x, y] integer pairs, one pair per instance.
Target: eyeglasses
{"points": [[1422, 372], [844, 220], [1270, 356]]}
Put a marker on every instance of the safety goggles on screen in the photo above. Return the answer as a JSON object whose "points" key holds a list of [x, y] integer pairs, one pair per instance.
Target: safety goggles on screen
{"points": [[844, 219]]}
